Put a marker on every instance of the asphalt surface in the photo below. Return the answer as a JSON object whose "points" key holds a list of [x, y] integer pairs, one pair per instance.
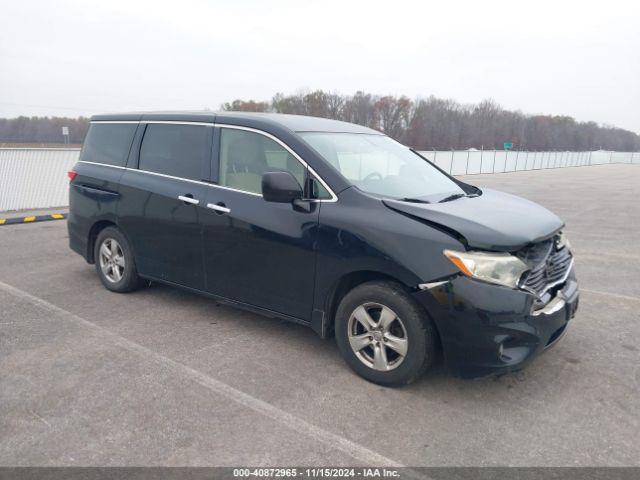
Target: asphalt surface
{"points": [[165, 377]]}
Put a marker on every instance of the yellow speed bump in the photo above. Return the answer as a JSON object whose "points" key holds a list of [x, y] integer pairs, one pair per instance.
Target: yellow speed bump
{"points": [[32, 218]]}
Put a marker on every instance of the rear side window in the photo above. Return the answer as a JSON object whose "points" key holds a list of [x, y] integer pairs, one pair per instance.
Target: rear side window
{"points": [[176, 150], [108, 143]]}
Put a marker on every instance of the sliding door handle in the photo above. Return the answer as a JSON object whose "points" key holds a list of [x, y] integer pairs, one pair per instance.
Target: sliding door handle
{"points": [[219, 208], [188, 199]]}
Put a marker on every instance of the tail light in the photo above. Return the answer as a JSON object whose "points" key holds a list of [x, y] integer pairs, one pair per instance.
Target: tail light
{"points": [[72, 174]]}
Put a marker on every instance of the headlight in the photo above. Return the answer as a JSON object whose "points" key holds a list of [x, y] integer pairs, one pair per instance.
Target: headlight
{"points": [[500, 268]]}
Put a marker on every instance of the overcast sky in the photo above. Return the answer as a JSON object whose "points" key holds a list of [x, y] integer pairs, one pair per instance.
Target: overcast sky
{"points": [[70, 57]]}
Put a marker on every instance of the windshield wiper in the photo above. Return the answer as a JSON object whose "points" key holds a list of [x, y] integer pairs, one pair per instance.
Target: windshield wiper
{"points": [[413, 200], [453, 197]]}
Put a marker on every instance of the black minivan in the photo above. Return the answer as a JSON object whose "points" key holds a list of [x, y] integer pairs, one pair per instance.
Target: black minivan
{"points": [[327, 224]]}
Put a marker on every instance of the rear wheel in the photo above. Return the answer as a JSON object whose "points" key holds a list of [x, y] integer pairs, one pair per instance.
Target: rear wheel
{"points": [[114, 261], [383, 334]]}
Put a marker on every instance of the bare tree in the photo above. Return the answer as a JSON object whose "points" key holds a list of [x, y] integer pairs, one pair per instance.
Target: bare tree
{"points": [[246, 106], [393, 115]]}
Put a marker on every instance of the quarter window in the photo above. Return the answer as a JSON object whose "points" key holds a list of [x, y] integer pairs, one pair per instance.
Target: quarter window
{"points": [[318, 190], [176, 150], [108, 143], [246, 156]]}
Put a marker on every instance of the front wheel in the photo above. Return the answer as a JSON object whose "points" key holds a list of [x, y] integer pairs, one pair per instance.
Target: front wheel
{"points": [[383, 334]]}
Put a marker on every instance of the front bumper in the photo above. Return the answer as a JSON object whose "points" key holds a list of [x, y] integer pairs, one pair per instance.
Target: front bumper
{"points": [[487, 329]]}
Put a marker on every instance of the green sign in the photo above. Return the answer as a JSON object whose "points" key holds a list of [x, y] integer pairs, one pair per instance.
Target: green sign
{"points": [[508, 145]]}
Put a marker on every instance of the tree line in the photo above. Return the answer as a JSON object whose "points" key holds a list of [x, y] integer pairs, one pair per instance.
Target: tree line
{"points": [[423, 123], [442, 124], [42, 129]]}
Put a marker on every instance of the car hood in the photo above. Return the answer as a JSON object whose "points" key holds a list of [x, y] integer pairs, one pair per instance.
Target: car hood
{"points": [[491, 221]]}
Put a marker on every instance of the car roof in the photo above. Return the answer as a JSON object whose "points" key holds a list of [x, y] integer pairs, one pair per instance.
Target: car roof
{"points": [[295, 123]]}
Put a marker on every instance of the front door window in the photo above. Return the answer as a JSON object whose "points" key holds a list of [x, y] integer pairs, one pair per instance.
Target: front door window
{"points": [[245, 156]]}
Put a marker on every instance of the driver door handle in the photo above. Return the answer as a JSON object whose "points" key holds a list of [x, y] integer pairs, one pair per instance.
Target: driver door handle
{"points": [[218, 208]]}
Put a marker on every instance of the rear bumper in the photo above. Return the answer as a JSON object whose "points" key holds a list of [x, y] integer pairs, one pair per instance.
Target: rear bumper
{"points": [[78, 236], [487, 329]]}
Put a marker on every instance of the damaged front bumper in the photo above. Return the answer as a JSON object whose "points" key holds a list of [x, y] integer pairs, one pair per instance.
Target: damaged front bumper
{"points": [[487, 329]]}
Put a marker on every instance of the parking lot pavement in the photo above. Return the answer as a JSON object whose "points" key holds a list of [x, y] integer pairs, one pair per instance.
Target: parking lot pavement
{"points": [[165, 377]]}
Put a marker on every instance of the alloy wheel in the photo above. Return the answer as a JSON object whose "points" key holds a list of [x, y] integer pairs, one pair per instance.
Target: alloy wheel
{"points": [[377, 336], [111, 260]]}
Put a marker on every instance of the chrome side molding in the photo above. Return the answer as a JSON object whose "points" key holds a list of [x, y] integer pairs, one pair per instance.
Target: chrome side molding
{"points": [[429, 286]]}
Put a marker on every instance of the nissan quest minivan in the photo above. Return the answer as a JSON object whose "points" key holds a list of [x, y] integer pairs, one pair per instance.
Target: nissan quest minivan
{"points": [[326, 224]]}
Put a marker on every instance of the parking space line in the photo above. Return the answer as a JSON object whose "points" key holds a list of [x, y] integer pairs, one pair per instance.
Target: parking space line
{"points": [[614, 295], [332, 440]]}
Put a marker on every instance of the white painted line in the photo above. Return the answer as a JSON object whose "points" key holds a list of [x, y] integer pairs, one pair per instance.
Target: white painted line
{"points": [[609, 294], [354, 450]]}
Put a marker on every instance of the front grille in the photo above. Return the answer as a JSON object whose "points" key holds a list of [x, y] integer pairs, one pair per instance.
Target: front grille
{"points": [[549, 264]]}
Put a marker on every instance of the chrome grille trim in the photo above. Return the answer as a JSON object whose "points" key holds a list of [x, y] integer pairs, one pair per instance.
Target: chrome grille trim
{"points": [[559, 281], [550, 264]]}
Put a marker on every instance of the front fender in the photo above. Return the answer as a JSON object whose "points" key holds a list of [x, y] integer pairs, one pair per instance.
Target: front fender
{"points": [[360, 234]]}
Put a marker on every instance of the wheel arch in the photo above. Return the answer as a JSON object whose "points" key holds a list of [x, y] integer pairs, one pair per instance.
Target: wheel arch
{"points": [[94, 231], [344, 285], [351, 280]]}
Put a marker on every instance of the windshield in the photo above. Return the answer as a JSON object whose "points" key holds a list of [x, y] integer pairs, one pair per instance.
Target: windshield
{"points": [[379, 165]]}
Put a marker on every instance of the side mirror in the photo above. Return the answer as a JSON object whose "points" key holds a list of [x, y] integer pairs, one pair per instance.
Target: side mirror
{"points": [[280, 187]]}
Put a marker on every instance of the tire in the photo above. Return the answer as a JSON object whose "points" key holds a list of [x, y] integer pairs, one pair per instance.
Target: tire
{"points": [[117, 272], [383, 337]]}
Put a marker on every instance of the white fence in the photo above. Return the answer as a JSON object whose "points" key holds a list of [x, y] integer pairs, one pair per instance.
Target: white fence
{"points": [[469, 162], [37, 177]]}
